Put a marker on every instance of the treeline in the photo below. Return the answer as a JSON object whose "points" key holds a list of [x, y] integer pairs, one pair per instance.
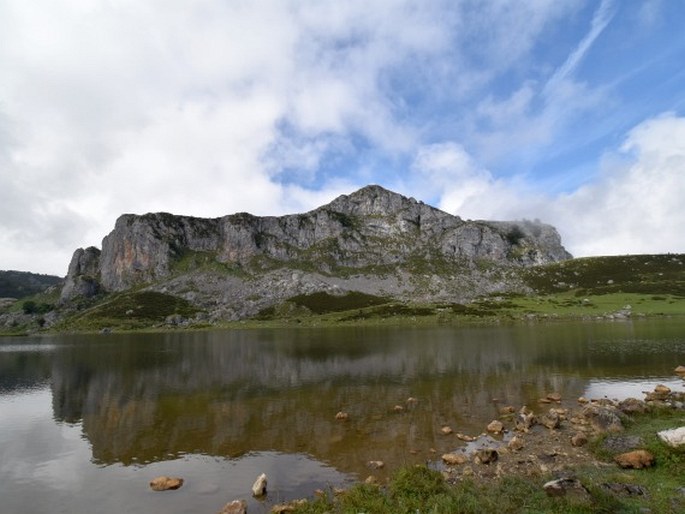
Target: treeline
{"points": [[19, 284]]}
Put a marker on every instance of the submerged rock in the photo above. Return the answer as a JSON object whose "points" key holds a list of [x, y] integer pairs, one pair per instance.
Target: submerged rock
{"points": [[165, 483], [235, 507]]}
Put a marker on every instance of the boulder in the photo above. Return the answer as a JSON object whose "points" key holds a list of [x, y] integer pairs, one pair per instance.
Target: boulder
{"points": [[259, 487], [622, 444], [674, 437], [555, 397], [165, 483], [551, 420], [235, 507], [632, 406], [680, 370], [566, 486], [637, 459], [446, 430], [603, 418]]}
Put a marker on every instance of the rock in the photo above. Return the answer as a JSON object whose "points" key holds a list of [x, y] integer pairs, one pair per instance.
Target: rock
{"points": [[680, 370], [515, 443], [235, 507], [486, 456], [371, 480], [411, 401], [551, 420], [465, 438], [259, 487], [622, 444], [566, 486], [165, 483], [544, 400], [525, 419], [578, 439], [454, 459], [509, 409], [662, 390], [637, 459], [555, 397], [674, 437], [495, 427], [582, 400], [398, 408], [632, 406], [625, 489], [375, 464], [603, 418], [446, 430], [342, 416]]}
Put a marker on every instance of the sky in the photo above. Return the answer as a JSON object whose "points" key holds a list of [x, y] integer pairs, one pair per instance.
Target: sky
{"points": [[570, 112]]}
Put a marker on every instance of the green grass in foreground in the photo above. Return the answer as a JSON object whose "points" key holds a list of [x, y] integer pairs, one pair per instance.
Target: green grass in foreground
{"points": [[421, 490]]}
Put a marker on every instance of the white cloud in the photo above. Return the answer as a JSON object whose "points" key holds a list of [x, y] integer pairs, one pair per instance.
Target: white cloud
{"points": [[635, 206]]}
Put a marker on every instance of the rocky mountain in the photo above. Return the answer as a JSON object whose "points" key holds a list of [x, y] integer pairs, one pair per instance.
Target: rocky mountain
{"points": [[372, 241]]}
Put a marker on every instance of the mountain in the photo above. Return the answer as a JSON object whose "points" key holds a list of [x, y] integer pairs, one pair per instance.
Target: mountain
{"points": [[19, 284], [372, 242]]}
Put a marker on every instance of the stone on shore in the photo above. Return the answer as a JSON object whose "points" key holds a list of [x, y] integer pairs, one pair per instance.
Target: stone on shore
{"points": [[375, 464], [637, 459], [674, 437], [603, 418], [486, 456], [446, 430], [515, 443], [164, 483], [259, 487], [551, 420], [525, 419], [495, 427], [454, 459], [342, 415], [578, 439], [566, 486], [235, 507], [680, 370]]}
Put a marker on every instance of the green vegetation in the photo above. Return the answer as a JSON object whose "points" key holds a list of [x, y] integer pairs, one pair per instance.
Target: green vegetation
{"points": [[131, 310], [20, 284], [421, 490]]}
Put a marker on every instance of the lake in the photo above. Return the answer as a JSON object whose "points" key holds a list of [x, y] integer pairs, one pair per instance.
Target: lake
{"points": [[86, 421]]}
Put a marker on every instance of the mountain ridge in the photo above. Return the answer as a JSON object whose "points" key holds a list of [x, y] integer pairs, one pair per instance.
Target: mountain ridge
{"points": [[373, 241]]}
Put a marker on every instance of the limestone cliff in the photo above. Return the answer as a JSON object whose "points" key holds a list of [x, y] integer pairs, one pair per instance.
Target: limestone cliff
{"points": [[368, 234]]}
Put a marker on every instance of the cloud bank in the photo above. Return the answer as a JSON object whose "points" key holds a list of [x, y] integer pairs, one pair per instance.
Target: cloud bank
{"points": [[208, 108]]}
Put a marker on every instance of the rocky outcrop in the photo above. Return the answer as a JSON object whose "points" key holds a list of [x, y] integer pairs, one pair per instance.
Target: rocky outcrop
{"points": [[368, 232]]}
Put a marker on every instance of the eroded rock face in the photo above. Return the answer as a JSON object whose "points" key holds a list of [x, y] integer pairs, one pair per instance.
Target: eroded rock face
{"points": [[369, 228]]}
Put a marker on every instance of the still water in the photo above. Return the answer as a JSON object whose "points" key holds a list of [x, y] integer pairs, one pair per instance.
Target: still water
{"points": [[86, 421]]}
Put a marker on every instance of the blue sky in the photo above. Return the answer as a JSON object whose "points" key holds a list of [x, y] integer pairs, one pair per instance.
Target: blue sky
{"points": [[572, 112]]}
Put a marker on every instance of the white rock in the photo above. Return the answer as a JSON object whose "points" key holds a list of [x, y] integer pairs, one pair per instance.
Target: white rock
{"points": [[674, 437], [259, 487]]}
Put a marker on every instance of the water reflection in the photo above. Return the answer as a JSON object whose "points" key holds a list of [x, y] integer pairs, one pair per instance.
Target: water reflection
{"points": [[147, 399]]}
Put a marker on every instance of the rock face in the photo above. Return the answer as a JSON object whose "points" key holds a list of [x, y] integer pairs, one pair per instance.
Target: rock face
{"points": [[371, 228]]}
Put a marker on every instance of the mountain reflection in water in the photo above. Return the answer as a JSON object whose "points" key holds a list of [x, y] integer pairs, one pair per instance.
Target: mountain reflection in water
{"points": [[149, 398]]}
